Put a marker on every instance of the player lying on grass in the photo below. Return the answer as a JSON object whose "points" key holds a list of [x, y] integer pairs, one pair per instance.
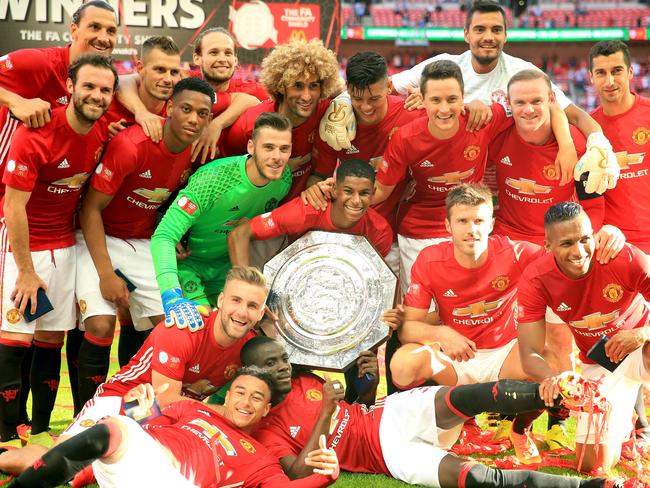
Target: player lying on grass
{"points": [[188, 445]]}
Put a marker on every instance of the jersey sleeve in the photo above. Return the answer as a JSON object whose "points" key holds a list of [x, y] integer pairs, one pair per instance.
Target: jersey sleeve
{"points": [[291, 218], [419, 295], [24, 71], [274, 443], [234, 139], [531, 304], [23, 162], [171, 353], [526, 252], [501, 120], [269, 474], [324, 158], [222, 103], [381, 233], [120, 160], [393, 167]]}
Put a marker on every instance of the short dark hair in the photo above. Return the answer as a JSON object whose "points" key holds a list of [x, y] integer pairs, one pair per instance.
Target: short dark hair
{"points": [[484, 6], [96, 60], [441, 70], [562, 212], [271, 120], [364, 69], [249, 349], [260, 374], [79, 13], [607, 48], [355, 167], [194, 84], [212, 30], [163, 43]]}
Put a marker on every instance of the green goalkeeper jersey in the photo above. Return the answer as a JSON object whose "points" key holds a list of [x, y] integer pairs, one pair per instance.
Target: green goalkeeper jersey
{"points": [[217, 196]]}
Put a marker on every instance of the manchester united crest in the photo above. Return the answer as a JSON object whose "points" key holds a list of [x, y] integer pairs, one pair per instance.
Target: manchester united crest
{"points": [[641, 135], [82, 306], [500, 283], [13, 316], [550, 173], [613, 292], [247, 445], [229, 372], [185, 175], [471, 152], [314, 395]]}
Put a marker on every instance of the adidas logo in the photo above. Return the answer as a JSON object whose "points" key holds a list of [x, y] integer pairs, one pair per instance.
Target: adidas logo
{"points": [[294, 429], [235, 208], [64, 164], [563, 307], [62, 100], [196, 368], [506, 160], [146, 174], [426, 164], [449, 293], [351, 150]]}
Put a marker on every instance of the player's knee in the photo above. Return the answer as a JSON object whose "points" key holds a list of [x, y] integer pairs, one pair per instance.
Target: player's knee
{"points": [[404, 368], [51, 337], [101, 326]]}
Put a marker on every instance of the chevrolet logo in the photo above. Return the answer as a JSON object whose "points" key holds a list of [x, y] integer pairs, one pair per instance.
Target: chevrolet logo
{"points": [[624, 159], [478, 309], [157, 195], [76, 181], [527, 187], [453, 178], [594, 320]]}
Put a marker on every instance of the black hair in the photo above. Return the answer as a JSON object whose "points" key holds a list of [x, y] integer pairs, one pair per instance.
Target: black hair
{"points": [[260, 374], [96, 60], [364, 69], [441, 70], [607, 48], [355, 167], [194, 84], [484, 6], [249, 349], [79, 13], [562, 212], [272, 120]]}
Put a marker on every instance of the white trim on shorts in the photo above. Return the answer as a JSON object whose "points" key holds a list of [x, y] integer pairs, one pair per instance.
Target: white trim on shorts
{"points": [[484, 367]]}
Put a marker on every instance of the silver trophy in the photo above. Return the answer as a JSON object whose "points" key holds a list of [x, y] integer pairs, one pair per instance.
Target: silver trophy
{"points": [[328, 291]]}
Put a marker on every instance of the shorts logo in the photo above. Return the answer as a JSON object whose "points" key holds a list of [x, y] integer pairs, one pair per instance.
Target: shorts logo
{"points": [[527, 187], [624, 159], [613, 292], [83, 306], [452, 178], [500, 283], [157, 195], [13, 316], [550, 173], [191, 287], [187, 205], [75, 182], [85, 423], [471, 152], [271, 204], [314, 395], [641, 136], [247, 445], [478, 309], [229, 371], [596, 320]]}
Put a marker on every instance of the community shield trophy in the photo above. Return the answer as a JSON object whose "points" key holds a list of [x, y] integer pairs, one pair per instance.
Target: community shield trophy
{"points": [[328, 291]]}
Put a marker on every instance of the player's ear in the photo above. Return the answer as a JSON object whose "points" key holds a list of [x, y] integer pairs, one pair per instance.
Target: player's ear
{"points": [[220, 300], [196, 58], [267, 409], [69, 85], [447, 225], [170, 107], [250, 147], [139, 66], [491, 225], [547, 245], [74, 30]]}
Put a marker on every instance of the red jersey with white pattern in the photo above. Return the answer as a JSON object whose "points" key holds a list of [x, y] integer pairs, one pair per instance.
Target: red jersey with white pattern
{"points": [[235, 138], [436, 166], [479, 303], [353, 434], [369, 145], [179, 355], [32, 73], [527, 184], [141, 175], [53, 163], [213, 452], [614, 294], [295, 218], [626, 206]]}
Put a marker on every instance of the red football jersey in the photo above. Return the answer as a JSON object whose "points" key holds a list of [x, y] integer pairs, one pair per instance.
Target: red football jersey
{"points": [[436, 166], [354, 430], [141, 175], [614, 294], [181, 356], [527, 184], [53, 163], [32, 73], [478, 303], [239, 85], [369, 145], [116, 111], [235, 138], [204, 441], [295, 218], [626, 206]]}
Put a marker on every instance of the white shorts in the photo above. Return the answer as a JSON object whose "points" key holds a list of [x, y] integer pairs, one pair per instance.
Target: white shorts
{"points": [[485, 366], [56, 268], [411, 443], [133, 258], [145, 463], [392, 259], [260, 252], [92, 412], [621, 388], [409, 249]]}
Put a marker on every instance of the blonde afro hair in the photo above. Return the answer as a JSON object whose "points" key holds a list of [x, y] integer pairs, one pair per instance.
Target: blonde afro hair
{"points": [[296, 61]]}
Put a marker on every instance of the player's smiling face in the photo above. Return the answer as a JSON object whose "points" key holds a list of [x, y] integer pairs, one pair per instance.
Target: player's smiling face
{"points": [[443, 102], [92, 93], [611, 77], [241, 306], [371, 103], [270, 150], [274, 359], [159, 73], [247, 401], [486, 36], [189, 113], [217, 59], [96, 32], [353, 196], [530, 103], [470, 226], [572, 244], [300, 99]]}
